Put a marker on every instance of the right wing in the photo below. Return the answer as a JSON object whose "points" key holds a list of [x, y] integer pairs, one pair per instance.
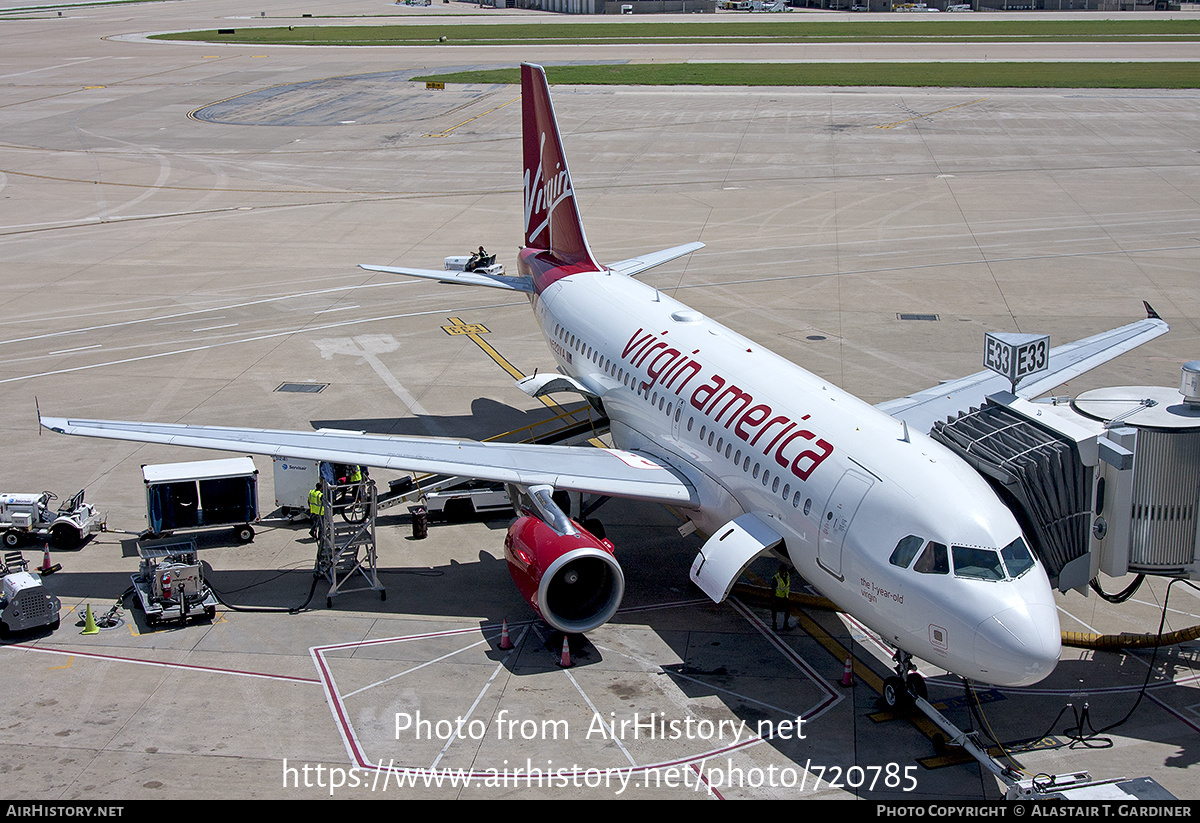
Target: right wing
{"points": [[923, 409], [569, 468]]}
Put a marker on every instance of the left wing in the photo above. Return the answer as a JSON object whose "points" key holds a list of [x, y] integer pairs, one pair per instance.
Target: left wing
{"points": [[570, 468], [923, 409]]}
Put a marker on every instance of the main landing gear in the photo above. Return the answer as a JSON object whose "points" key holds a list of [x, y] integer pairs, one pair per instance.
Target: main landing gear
{"points": [[906, 684]]}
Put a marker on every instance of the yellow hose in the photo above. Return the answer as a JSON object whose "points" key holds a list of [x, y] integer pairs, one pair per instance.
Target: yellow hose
{"points": [[1128, 640]]}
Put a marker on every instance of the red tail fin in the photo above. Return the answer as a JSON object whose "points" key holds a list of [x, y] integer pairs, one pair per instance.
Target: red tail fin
{"points": [[552, 225]]}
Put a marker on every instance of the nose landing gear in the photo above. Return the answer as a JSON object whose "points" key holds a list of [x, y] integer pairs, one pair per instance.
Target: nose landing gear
{"points": [[900, 689]]}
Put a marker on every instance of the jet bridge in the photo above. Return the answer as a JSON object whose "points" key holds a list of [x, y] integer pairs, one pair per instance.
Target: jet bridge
{"points": [[1108, 482]]}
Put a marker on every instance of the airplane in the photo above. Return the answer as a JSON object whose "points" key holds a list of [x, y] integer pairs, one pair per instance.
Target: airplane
{"points": [[760, 455]]}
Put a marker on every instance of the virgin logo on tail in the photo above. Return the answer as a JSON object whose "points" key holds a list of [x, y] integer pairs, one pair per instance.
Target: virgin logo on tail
{"points": [[552, 222], [541, 197]]}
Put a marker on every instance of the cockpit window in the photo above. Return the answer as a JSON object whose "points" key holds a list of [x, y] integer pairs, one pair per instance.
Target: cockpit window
{"points": [[934, 560], [905, 551], [983, 564], [1017, 558]]}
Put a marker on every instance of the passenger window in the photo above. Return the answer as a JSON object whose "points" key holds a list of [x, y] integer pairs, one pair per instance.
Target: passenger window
{"points": [[981, 564], [905, 551], [934, 560], [1017, 558]]}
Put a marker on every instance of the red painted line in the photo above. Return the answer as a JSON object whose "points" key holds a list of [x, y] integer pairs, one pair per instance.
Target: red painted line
{"points": [[187, 666]]}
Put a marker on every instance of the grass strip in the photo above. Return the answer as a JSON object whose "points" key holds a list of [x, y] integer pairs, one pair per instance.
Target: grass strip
{"points": [[795, 29], [947, 75]]}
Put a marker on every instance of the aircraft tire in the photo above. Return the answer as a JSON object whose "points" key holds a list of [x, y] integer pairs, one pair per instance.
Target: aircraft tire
{"points": [[916, 686]]}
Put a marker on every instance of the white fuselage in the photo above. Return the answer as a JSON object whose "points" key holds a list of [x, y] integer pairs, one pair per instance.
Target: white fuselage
{"points": [[842, 482]]}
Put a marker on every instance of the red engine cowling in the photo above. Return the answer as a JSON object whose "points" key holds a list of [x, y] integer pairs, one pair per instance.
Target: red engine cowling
{"points": [[572, 581]]}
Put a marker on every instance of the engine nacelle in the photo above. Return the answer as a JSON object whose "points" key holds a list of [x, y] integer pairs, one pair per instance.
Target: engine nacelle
{"points": [[572, 581]]}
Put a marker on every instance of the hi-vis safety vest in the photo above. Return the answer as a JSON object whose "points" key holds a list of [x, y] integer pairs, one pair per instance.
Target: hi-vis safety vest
{"points": [[783, 585], [316, 503]]}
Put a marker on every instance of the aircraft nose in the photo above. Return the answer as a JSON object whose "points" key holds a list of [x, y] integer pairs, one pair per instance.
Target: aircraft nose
{"points": [[1018, 646]]}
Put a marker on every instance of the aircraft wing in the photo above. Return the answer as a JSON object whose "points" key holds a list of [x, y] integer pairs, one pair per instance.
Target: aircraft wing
{"points": [[569, 468], [462, 278], [923, 409]]}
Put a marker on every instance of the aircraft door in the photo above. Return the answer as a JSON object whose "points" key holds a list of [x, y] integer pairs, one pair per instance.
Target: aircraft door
{"points": [[839, 511]]}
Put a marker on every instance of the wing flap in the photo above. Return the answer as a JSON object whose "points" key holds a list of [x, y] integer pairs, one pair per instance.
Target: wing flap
{"points": [[570, 468]]}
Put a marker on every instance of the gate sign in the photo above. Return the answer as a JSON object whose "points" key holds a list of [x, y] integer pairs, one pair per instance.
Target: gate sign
{"points": [[1016, 356]]}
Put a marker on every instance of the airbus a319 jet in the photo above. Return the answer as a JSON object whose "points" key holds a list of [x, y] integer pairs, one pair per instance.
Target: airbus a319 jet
{"points": [[761, 455]]}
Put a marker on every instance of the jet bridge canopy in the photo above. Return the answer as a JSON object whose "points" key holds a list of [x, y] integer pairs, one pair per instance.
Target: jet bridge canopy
{"points": [[1040, 474]]}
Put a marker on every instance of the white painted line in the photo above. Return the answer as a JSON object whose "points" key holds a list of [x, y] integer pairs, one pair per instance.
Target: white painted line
{"points": [[80, 348]]}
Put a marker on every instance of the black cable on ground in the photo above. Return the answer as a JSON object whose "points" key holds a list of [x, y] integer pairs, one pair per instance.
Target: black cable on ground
{"points": [[1119, 597], [259, 609]]}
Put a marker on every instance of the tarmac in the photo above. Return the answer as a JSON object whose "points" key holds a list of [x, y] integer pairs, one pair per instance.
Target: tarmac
{"points": [[180, 231]]}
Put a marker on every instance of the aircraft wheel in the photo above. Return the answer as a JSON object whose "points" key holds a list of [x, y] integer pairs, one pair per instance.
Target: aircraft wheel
{"points": [[893, 693], [65, 537], [916, 686]]}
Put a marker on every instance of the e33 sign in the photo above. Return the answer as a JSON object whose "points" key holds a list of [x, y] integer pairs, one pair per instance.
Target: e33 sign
{"points": [[1016, 356]]}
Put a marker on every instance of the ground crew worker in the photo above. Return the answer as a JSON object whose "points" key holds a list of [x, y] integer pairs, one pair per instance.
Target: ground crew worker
{"points": [[356, 474], [316, 510], [781, 589]]}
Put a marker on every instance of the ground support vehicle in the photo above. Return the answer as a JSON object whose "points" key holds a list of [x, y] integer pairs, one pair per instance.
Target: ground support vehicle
{"points": [[29, 516], [24, 602], [170, 584], [202, 494]]}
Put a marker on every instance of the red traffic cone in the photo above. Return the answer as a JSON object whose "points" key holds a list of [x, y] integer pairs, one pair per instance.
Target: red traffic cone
{"points": [[848, 674], [505, 643], [46, 567], [565, 661]]}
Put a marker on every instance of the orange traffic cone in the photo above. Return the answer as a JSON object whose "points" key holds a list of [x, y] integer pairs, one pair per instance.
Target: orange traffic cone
{"points": [[565, 661], [505, 643], [46, 567], [848, 674]]}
